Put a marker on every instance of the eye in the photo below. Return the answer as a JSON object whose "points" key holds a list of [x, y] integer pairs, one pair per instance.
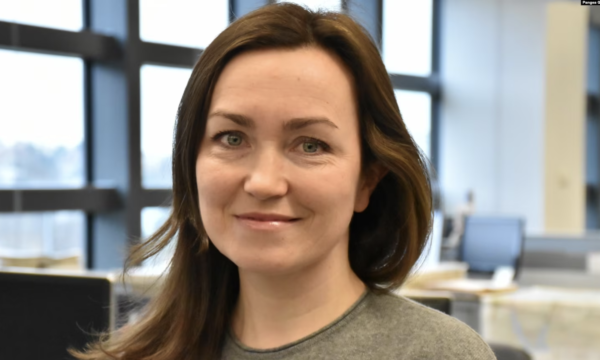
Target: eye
{"points": [[311, 145], [234, 138]]}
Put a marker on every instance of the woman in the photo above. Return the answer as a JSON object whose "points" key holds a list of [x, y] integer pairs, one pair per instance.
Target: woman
{"points": [[300, 202]]}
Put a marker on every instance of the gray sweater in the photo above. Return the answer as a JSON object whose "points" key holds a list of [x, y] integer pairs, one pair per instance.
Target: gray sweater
{"points": [[378, 327]]}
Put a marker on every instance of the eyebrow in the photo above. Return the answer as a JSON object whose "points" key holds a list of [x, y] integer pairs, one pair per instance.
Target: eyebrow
{"points": [[290, 125]]}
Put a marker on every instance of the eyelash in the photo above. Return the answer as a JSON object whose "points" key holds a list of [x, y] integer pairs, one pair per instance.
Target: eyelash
{"points": [[320, 143]]}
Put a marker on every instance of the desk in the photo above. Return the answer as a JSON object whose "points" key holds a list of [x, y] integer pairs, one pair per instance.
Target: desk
{"points": [[558, 323], [550, 323]]}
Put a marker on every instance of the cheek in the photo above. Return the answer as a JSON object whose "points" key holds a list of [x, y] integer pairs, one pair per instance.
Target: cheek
{"points": [[214, 184], [330, 192]]}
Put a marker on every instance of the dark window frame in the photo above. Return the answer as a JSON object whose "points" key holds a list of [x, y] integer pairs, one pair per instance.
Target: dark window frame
{"points": [[113, 55]]}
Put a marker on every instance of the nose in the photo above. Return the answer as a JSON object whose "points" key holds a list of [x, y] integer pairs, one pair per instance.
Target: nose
{"points": [[266, 179]]}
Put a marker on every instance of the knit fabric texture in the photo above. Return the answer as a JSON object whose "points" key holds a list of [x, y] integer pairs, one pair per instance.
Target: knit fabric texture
{"points": [[378, 327]]}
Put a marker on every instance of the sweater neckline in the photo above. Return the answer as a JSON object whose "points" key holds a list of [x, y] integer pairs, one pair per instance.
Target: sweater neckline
{"points": [[349, 311]]}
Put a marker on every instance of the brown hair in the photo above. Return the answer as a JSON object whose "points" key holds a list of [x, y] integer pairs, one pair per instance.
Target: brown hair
{"points": [[188, 319]]}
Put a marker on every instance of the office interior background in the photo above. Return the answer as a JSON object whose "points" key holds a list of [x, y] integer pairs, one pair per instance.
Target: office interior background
{"points": [[503, 96]]}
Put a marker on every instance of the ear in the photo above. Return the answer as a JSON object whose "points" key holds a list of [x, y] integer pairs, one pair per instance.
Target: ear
{"points": [[367, 185]]}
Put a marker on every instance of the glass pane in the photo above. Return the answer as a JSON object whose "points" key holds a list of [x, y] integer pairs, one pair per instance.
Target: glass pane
{"points": [[152, 219], [58, 14], [193, 23], [41, 131], [407, 28], [245, 6], [161, 91], [49, 239], [415, 108], [329, 5]]}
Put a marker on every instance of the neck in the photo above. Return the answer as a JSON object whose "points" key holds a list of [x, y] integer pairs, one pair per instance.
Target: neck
{"points": [[276, 310]]}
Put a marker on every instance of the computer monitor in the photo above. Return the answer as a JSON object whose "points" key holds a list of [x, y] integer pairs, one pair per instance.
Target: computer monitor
{"points": [[492, 242], [42, 315]]}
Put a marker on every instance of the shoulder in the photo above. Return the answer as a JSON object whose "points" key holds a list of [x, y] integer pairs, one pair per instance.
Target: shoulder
{"points": [[418, 332]]}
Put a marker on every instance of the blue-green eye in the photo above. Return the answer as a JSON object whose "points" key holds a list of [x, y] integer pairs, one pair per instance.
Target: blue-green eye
{"points": [[310, 147], [236, 139], [231, 135]]}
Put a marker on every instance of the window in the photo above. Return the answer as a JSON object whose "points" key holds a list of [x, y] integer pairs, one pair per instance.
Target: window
{"points": [[192, 23], [329, 5], [41, 146], [161, 91], [408, 52], [415, 108], [59, 14], [407, 36], [48, 114], [152, 219], [41, 132], [42, 239]]}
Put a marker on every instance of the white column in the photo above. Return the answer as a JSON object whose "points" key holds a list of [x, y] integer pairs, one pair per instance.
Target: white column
{"points": [[565, 114]]}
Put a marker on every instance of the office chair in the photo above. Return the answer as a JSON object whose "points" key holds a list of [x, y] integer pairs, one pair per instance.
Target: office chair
{"points": [[492, 242]]}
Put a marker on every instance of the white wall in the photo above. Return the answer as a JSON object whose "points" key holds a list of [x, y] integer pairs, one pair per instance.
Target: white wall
{"points": [[492, 118]]}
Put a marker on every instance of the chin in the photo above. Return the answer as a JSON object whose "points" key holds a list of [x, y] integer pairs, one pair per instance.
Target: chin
{"points": [[266, 265]]}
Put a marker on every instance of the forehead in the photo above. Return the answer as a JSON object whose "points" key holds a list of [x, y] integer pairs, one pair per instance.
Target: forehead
{"points": [[286, 83]]}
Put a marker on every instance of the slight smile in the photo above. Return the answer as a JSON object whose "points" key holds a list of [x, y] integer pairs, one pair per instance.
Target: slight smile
{"points": [[265, 225]]}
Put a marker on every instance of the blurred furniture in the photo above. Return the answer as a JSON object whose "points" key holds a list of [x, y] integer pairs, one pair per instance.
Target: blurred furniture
{"points": [[550, 323], [540, 323], [492, 242], [507, 352], [449, 280], [69, 262], [452, 276], [40, 305], [558, 322], [439, 301], [564, 278], [42, 313], [420, 277], [443, 302], [561, 260], [567, 260]]}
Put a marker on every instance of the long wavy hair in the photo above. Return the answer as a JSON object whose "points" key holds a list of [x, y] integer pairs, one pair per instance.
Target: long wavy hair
{"points": [[189, 316]]}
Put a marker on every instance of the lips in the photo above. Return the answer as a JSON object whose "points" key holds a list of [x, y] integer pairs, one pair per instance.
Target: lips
{"points": [[266, 223], [266, 217]]}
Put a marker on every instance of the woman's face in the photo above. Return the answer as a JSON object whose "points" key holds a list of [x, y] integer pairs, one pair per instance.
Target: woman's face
{"points": [[282, 137]]}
